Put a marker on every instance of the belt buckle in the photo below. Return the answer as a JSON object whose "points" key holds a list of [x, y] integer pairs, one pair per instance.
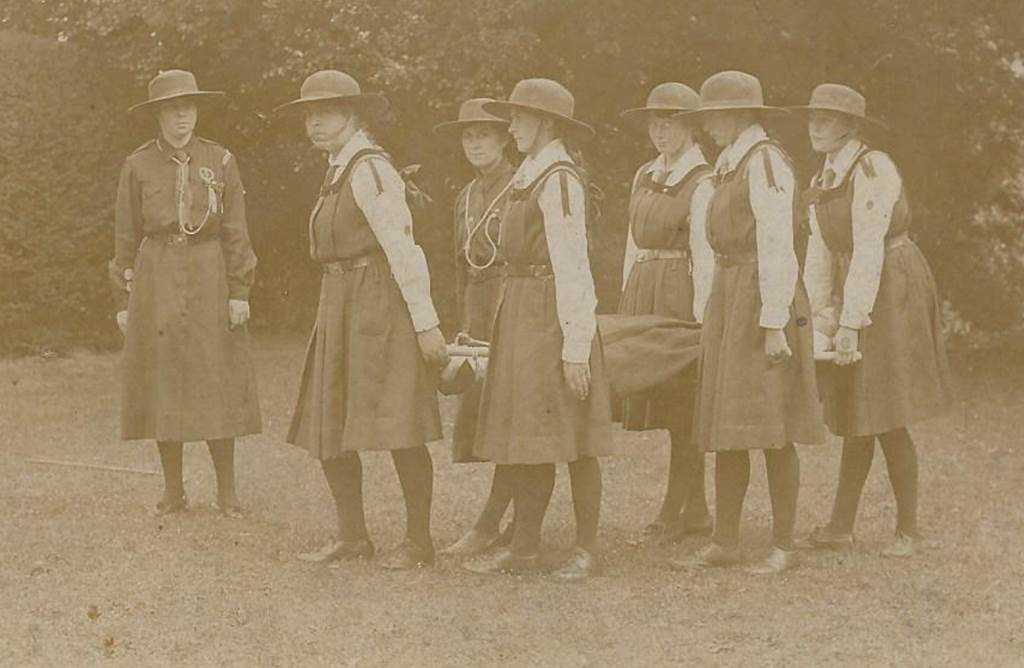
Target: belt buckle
{"points": [[177, 239], [643, 255]]}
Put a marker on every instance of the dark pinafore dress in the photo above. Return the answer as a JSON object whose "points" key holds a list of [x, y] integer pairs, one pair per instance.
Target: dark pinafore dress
{"points": [[365, 385], [744, 403], [659, 219], [479, 211], [528, 415], [903, 375]]}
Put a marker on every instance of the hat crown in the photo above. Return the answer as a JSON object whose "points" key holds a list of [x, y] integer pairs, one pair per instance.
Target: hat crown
{"points": [[544, 95], [472, 110], [329, 83], [837, 97], [170, 83], [731, 89], [673, 96]]}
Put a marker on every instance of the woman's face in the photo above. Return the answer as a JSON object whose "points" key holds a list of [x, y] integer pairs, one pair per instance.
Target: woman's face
{"points": [[829, 131], [483, 144], [670, 135], [525, 129], [329, 125], [725, 126], [177, 119]]}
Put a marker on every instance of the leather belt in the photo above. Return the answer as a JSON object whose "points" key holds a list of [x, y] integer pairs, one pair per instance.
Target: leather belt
{"points": [[736, 259], [180, 239], [529, 270], [485, 274], [648, 254], [347, 264]]}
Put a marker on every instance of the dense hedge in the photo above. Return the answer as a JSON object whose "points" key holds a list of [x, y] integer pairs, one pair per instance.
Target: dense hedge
{"points": [[946, 77]]}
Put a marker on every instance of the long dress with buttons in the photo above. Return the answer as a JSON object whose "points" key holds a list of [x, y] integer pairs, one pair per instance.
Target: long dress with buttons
{"points": [[185, 375], [744, 402], [477, 285], [528, 415], [903, 375], [659, 219], [365, 385]]}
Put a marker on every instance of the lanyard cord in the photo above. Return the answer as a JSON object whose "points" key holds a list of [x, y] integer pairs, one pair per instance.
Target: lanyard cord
{"points": [[472, 229], [184, 203]]}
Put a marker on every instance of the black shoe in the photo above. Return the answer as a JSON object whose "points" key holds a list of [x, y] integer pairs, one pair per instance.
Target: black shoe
{"points": [[408, 556], [713, 556], [583, 565], [823, 538], [340, 550], [777, 561], [472, 542], [504, 562], [169, 505]]}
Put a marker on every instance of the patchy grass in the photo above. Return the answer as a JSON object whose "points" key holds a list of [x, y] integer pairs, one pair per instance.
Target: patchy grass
{"points": [[89, 577]]}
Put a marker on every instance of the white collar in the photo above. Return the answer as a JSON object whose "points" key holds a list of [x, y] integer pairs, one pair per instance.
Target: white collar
{"points": [[534, 165], [692, 158], [734, 152], [843, 160], [357, 142]]}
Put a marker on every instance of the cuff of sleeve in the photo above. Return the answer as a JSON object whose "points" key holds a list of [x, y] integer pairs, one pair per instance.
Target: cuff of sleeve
{"points": [[774, 318], [424, 318], [239, 292], [852, 320], [576, 351]]}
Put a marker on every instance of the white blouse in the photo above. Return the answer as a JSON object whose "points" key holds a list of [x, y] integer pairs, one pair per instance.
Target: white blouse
{"points": [[391, 221], [575, 297], [875, 194], [702, 258], [772, 205]]}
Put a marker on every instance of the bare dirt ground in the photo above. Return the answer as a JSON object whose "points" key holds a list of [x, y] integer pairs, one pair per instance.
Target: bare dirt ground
{"points": [[89, 577]]}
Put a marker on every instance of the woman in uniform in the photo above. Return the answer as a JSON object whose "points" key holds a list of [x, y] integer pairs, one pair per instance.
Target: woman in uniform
{"points": [[479, 269], [667, 271], [181, 274], [757, 389], [368, 382], [545, 399], [870, 278]]}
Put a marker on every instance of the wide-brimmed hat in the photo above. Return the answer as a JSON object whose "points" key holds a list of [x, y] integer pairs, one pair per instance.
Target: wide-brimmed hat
{"points": [[667, 97], [839, 99], [170, 84], [335, 85], [545, 97], [733, 91], [470, 113]]}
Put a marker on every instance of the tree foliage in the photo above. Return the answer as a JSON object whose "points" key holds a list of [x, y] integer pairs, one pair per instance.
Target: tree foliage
{"points": [[945, 76]]}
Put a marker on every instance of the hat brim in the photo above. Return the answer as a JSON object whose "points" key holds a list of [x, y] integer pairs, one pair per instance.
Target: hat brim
{"points": [[638, 115], [373, 103], [199, 94], [807, 109], [762, 109], [503, 109], [448, 128]]}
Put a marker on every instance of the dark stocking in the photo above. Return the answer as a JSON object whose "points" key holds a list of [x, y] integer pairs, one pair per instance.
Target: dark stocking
{"points": [[416, 475], [901, 459], [345, 478], [532, 487], [585, 475], [854, 466], [783, 468], [732, 475]]}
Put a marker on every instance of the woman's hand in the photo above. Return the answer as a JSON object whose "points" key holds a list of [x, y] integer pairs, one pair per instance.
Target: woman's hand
{"points": [[433, 348], [775, 346], [577, 377], [238, 313], [122, 322], [846, 341]]}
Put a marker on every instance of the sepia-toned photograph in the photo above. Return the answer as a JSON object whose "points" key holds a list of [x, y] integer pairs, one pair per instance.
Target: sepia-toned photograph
{"points": [[554, 333]]}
